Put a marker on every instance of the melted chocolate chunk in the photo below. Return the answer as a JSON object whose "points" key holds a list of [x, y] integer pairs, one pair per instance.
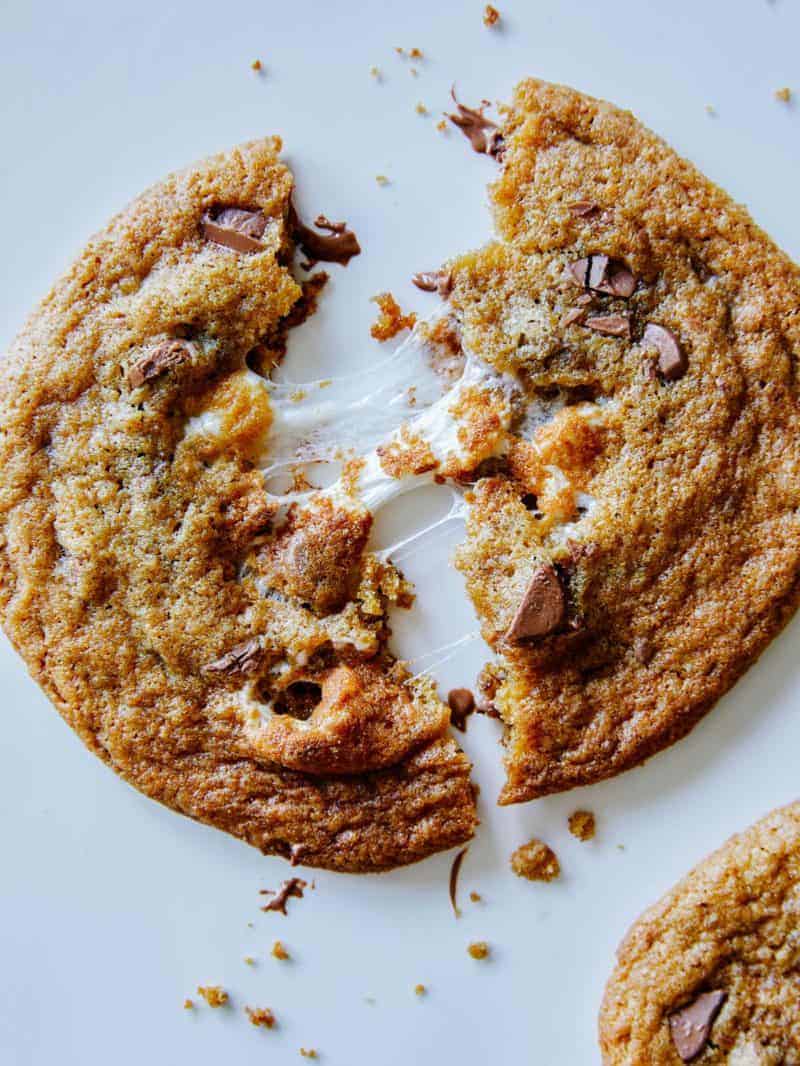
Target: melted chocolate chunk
{"points": [[440, 281], [236, 228], [602, 274], [243, 659], [672, 362], [163, 357], [542, 608], [338, 246], [462, 704], [690, 1027], [293, 887], [480, 131]]}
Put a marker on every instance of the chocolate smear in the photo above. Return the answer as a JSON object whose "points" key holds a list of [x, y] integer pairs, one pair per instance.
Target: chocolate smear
{"points": [[236, 228], [440, 281], [293, 887], [542, 608], [462, 704], [455, 870], [690, 1027], [242, 659], [602, 274], [339, 245], [610, 325], [672, 362], [163, 357], [480, 131]]}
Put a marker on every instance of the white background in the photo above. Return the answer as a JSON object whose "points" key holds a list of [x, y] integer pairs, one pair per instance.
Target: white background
{"points": [[113, 909]]}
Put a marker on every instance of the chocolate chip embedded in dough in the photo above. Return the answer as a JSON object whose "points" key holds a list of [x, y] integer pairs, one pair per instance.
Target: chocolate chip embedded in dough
{"points": [[610, 325], [690, 1027], [236, 228], [163, 357], [542, 608], [602, 274], [440, 281], [672, 362], [242, 659]]}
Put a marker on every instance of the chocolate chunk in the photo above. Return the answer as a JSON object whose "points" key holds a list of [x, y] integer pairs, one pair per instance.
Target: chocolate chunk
{"points": [[236, 228], [339, 246], [461, 703], [690, 1027], [611, 325], [575, 314], [242, 659], [163, 357], [455, 869], [293, 887], [440, 281], [480, 131], [584, 208], [672, 363], [541, 609], [605, 275]]}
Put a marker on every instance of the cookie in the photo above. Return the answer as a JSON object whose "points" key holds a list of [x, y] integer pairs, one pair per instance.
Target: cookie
{"points": [[637, 545], [709, 974], [220, 650]]}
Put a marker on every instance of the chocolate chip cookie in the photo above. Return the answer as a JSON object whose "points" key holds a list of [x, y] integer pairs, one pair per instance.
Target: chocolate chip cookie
{"points": [[710, 973], [637, 544], [219, 650]]}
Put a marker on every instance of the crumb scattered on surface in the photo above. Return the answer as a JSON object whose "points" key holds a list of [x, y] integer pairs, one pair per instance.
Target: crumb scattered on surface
{"points": [[784, 94], [309, 1053], [535, 861], [476, 897], [279, 951], [249, 960], [214, 995], [582, 825], [400, 51], [262, 1017], [375, 72], [188, 1004], [381, 179], [478, 949], [371, 1000], [420, 990], [251, 925], [620, 847], [710, 109], [391, 319], [490, 15], [414, 72], [295, 885], [421, 109], [256, 64], [441, 125]]}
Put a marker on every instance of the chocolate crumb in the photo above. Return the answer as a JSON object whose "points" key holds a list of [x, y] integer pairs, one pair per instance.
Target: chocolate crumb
{"points": [[279, 951], [440, 281], [291, 888], [235, 228], [541, 609], [478, 949], [462, 704], [391, 319], [672, 362], [535, 861], [491, 16], [582, 825], [214, 995], [690, 1027], [610, 325], [242, 659], [261, 1017], [483, 134], [339, 246], [455, 870]]}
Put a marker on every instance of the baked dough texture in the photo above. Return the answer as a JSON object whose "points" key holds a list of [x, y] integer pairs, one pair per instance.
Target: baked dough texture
{"points": [[137, 574], [729, 927]]}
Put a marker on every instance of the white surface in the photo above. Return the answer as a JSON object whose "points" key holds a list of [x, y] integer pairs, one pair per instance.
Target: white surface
{"points": [[113, 909]]}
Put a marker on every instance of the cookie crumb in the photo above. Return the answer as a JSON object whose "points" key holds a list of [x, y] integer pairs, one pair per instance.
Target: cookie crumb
{"points": [[381, 179], [420, 990], [279, 951], [375, 72], [476, 897], [478, 949], [490, 15], [441, 125], [413, 72], [370, 1000], [391, 319], [309, 1053], [711, 110], [582, 825], [416, 53], [249, 960], [535, 861], [256, 65], [188, 1004], [784, 95], [421, 109], [214, 995], [261, 1017], [400, 51]]}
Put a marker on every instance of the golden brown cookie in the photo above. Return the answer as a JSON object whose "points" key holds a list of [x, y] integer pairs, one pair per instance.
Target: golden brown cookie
{"points": [[639, 544], [710, 973], [224, 655]]}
